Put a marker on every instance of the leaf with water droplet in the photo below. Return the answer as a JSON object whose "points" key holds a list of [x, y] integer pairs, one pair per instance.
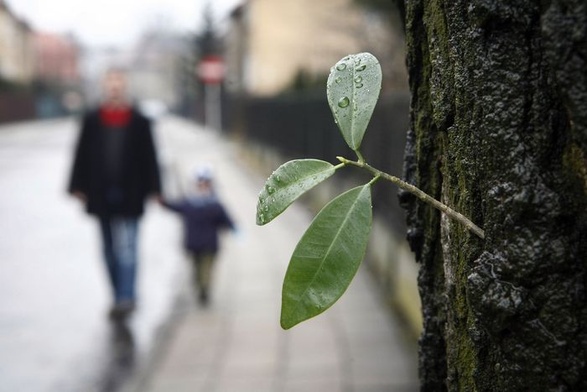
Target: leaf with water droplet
{"points": [[343, 102], [289, 182], [327, 257], [363, 91]]}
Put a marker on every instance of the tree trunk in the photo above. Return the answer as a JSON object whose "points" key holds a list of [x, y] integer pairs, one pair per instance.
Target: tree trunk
{"points": [[499, 132]]}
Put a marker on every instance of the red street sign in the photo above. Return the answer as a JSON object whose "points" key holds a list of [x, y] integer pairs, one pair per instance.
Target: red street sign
{"points": [[211, 69]]}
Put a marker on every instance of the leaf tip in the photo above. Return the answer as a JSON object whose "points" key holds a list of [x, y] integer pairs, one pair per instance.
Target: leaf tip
{"points": [[260, 219], [286, 321], [285, 326], [259, 222]]}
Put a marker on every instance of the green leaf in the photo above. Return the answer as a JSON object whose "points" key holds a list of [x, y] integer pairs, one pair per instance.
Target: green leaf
{"points": [[353, 89], [327, 257], [287, 183]]}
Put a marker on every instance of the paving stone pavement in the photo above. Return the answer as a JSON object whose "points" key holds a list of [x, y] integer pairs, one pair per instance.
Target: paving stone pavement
{"points": [[236, 344]]}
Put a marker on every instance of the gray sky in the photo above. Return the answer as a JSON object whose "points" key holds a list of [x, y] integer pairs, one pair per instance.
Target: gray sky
{"points": [[115, 22]]}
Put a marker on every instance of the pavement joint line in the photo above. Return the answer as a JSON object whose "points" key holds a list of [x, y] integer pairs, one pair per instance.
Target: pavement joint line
{"points": [[165, 334]]}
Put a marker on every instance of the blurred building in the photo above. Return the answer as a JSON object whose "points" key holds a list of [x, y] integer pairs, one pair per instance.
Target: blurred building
{"points": [[156, 67], [58, 81], [270, 43], [57, 59], [39, 72], [16, 48]]}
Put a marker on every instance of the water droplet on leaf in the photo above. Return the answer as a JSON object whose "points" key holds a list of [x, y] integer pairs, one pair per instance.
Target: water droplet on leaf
{"points": [[344, 102], [361, 68], [341, 67]]}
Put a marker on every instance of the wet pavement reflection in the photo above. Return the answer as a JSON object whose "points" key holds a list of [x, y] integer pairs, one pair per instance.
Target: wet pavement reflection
{"points": [[55, 334], [122, 358]]}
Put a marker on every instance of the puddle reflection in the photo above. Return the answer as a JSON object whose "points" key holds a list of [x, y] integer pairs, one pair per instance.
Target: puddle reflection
{"points": [[122, 361]]}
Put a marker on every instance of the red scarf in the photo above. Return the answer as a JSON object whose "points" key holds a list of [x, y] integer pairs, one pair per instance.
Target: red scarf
{"points": [[115, 116]]}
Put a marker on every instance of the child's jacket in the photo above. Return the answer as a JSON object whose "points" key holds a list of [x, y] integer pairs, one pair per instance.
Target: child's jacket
{"points": [[203, 217]]}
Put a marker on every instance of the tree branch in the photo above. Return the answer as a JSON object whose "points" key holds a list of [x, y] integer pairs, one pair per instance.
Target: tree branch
{"points": [[419, 194]]}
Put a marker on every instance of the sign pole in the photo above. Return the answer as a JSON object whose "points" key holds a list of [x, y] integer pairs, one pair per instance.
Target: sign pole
{"points": [[211, 73], [213, 103]]}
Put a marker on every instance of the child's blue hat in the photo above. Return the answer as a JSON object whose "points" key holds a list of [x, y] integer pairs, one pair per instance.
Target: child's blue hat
{"points": [[204, 173]]}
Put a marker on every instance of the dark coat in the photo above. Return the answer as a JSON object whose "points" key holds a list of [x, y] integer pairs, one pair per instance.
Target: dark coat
{"points": [[202, 219], [140, 170]]}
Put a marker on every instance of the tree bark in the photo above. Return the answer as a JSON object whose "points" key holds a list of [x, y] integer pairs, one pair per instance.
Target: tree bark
{"points": [[499, 133]]}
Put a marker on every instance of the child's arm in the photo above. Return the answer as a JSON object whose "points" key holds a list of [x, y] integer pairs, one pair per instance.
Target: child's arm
{"points": [[176, 206], [224, 219]]}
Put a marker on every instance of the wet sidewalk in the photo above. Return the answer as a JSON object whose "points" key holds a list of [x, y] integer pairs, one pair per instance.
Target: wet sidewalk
{"points": [[55, 335], [236, 344]]}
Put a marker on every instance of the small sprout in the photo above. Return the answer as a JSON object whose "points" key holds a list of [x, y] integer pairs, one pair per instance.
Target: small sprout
{"points": [[329, 253]]}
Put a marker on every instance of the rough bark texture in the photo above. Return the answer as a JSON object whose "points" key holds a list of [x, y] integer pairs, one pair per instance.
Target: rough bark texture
{"points": [[499, 132]]}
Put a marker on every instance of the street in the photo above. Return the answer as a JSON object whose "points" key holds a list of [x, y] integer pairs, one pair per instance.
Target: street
{"points": [[55, 335], [54, 298]]}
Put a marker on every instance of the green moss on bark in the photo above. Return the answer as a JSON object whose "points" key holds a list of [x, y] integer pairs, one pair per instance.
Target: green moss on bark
{"points": [[499, 133], [576, 166]]}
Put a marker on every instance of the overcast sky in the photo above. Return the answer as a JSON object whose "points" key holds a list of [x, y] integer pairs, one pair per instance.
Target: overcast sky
{"points": [[115, 22]]}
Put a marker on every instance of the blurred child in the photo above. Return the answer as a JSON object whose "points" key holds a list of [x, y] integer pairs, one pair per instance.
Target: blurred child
{"points": [[203, 217]]}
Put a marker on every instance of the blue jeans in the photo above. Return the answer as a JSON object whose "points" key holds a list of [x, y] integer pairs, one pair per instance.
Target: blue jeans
{"points": [[119, 236]]}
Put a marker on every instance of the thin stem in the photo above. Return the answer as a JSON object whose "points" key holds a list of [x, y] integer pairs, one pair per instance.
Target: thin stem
{"points": [[374, 180], [419, 194], [360, 156]]}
